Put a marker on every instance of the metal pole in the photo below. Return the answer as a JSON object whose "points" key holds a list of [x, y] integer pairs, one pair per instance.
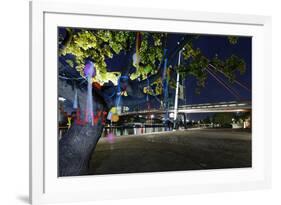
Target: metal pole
{"points": [[177, 93], [165, 83]]}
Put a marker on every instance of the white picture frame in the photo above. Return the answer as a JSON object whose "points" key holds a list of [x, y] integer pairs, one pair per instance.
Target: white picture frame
{"points": [[46, 187]]}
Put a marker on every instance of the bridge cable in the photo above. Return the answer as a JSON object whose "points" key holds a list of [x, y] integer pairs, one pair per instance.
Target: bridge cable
{"points": [[223, 84], [236, 81]]}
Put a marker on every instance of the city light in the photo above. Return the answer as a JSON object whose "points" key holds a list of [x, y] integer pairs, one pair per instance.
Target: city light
{"points": [[62, 99]]}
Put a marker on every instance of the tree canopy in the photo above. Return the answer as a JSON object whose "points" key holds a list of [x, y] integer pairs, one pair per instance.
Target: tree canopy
{"points": [[77, 46]]}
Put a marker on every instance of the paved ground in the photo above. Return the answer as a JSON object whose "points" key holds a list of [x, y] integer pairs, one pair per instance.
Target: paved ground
{"points": [[173, 151]]}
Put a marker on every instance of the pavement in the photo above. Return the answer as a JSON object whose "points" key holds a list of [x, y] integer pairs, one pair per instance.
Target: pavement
{"points": [[173, 151]]}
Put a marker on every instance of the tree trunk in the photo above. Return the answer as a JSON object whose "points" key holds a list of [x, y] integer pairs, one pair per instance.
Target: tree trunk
{"points": [[78, 144]]}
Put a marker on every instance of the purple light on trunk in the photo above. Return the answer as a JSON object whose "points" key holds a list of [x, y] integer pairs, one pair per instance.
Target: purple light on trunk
{"points": [[89, 72], [89, 69]]}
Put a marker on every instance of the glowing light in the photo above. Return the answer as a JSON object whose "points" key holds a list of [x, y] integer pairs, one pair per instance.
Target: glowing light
{"points": [[89, 69], [90, 72], [75, 101], [136, 59], [110, 137], [62, 99]]}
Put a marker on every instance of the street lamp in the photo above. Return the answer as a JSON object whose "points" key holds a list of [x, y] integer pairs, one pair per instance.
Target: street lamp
{"points": [[177, 92]]}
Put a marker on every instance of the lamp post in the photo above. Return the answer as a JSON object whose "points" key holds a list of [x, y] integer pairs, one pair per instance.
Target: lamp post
{"points": [[177, 94]]}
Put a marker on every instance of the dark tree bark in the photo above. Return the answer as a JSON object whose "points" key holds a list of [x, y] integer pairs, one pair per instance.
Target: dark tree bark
{"points": [[79, 142], [76, 148]]}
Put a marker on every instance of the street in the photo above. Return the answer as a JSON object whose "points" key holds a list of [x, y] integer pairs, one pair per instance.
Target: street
{"points": [[173, 151]]}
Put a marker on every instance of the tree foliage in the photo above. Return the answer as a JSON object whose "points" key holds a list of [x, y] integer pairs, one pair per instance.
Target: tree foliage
{"points": [[99, 45], [223, 118]]}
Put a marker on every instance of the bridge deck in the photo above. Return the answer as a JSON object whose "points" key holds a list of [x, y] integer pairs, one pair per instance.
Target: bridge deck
{"points": [[201, 108]]}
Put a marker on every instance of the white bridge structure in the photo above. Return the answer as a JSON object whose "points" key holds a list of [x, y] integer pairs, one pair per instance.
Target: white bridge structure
{"points": [[233, 106]]}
